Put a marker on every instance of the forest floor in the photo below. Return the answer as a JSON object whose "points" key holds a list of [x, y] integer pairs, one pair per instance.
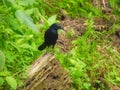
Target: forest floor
{"points": [[78, 27]]}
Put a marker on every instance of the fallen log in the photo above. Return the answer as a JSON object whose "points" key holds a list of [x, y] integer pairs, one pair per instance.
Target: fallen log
{"points": [[47, 74]]}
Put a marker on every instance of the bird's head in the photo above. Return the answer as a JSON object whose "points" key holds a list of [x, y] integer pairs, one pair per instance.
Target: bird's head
{"points": [[56, 26]]}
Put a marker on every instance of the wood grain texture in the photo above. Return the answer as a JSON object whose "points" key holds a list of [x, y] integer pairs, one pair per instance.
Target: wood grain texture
{"points": [[47, 74]]}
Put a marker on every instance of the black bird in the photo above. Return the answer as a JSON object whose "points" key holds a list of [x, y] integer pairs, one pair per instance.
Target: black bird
{"points": [[51, 36]]}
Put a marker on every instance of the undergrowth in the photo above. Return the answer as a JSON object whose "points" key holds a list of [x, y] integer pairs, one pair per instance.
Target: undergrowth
{"points": [[92, 64]]}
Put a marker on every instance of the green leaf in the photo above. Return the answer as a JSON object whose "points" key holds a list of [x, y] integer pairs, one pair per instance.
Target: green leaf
{"points": [[27, 20], [118, 78], [11, 81], [4, 73], [52, 20], [2, 60], [1, 81], [25, 2], [13, 23], [86, 85], [31, 2], [9, 2], [26, 46]]}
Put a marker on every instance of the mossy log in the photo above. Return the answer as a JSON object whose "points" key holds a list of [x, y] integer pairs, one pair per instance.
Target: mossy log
{"points": [[47, 74]]}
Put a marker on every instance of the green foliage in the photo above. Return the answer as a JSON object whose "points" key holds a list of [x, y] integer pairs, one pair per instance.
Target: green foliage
{"points": [[86, 63], [17, 43], [2, 60], [24, 18], [76, 8], [92, 57], [1, 81], [11, 81]]}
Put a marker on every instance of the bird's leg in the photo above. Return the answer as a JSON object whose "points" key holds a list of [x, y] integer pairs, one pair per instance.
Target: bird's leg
{"points": [[53, 46]]}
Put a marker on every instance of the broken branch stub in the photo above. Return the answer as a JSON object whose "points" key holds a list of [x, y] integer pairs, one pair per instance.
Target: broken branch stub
{"points": [[47, 74]]}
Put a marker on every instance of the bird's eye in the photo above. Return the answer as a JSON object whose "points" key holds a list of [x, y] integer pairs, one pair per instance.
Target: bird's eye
{"points": [[58, 26]]}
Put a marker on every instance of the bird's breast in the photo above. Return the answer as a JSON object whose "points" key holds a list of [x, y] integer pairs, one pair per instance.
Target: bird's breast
{"points": [[51, 35]]}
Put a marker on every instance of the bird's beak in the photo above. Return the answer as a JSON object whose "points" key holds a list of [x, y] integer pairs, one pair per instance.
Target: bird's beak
{"points": [[62, 28]]}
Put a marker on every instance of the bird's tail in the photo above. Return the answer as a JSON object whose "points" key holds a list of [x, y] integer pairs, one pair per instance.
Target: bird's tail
{"points": [[41, 47]]}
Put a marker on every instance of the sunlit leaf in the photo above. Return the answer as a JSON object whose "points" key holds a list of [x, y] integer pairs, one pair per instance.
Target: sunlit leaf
{"points": [[52, 19], [27, 20], [25, 2], [10, 3], [25, 46], [31, 2], [2, 60], [1, 81], [11, 81], [4, 73]]}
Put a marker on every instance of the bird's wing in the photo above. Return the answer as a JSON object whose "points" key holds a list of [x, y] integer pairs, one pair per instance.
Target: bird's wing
{"points": [[46, 33], [50, 35]]}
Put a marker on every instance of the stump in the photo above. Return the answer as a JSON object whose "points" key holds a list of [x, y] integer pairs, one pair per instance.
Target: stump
{"points": [[47, 74]]}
